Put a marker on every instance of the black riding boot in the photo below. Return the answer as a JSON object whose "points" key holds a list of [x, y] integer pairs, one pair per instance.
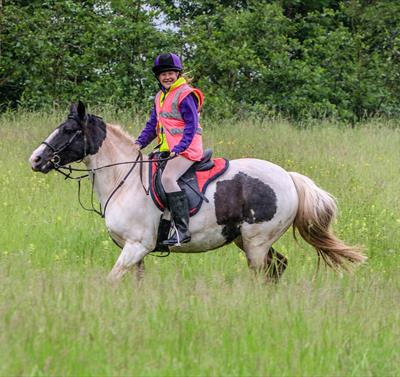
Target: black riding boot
{"points": [[179, 208]]}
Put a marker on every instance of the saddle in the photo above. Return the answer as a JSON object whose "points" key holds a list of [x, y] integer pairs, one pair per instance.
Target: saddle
{"points": [[194, 182]]}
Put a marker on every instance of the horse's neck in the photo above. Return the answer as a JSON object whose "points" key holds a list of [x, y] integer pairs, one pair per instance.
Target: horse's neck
{"points": [[117, 147]]}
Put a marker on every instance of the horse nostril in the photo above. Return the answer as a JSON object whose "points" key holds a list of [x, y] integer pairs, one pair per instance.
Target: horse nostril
{"points": [[37, 159]]}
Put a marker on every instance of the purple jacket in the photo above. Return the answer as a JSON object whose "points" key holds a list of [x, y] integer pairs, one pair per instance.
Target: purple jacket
{"points": [[188, 110]]}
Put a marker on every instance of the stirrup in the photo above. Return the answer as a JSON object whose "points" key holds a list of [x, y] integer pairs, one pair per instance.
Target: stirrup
{"points": [[175, 241]]}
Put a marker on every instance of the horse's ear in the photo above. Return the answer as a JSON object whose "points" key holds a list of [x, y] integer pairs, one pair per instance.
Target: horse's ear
{"points": [[81, 110], [73, 109]]}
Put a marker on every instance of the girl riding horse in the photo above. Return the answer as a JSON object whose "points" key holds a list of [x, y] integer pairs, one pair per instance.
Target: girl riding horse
{"points": [[175, 121]]}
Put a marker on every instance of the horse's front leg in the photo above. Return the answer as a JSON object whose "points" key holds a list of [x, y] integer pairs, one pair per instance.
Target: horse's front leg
{"points": [[132, 254], [139, 270]]}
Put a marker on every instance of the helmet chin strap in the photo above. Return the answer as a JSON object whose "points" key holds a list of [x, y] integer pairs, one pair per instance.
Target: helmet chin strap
{"points": [[161, 85]]}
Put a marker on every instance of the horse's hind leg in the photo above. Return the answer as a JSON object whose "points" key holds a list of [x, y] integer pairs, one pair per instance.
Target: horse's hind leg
{"points": [[261, 256], [268, 262]]}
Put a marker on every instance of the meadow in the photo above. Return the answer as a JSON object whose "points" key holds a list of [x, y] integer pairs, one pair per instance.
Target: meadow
{"points": [[205, 314]]}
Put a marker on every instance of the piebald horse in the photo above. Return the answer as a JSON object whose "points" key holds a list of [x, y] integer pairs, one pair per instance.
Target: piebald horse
{"points": [[252, 204]]}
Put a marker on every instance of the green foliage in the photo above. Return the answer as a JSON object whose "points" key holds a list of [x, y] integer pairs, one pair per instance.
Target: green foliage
{"points": [[377, 28], [61, 51], [302, 59]]}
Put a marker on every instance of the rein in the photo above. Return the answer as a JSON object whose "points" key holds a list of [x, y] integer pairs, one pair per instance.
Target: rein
{"points": [[68, 175]]}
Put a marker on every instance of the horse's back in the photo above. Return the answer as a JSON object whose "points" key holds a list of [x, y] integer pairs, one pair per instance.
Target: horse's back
{"points": [[259, 182], [263, 169]]}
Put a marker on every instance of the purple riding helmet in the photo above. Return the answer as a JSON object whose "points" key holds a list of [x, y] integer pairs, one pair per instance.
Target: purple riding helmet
{"points": [[167, 62]]}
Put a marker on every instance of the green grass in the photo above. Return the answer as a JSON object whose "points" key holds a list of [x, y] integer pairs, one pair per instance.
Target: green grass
{"points": [[201, 314]]}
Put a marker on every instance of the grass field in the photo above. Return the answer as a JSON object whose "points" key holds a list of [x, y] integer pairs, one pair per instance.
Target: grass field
{"points": [[201, 314]]}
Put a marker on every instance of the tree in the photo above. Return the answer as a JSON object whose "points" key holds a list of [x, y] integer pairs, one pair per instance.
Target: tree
{"points": [[314, 58], [54, 52]]}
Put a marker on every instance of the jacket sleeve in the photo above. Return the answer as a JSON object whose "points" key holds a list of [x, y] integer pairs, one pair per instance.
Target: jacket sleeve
{"points": [[188, 110], [149, 132]]}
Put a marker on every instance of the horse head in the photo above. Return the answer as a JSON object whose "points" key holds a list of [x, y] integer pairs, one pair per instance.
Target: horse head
{"points": [[78, 136]]}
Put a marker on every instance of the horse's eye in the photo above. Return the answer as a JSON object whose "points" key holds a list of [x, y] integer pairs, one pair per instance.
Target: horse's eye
{"points": [[68, 130]]}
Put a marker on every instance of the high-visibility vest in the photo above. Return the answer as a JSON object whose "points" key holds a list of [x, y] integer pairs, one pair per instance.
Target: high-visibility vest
{"points": [[170, 124]]}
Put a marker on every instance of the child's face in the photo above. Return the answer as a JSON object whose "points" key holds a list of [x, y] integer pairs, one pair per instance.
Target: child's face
{"points": [[168, 78]]}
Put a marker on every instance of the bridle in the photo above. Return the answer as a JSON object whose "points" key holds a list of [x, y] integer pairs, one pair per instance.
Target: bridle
{"points": [[55, 159]]}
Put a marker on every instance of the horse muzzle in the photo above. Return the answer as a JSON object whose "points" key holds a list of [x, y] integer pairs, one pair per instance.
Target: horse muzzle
{"points": [[39, 164]]}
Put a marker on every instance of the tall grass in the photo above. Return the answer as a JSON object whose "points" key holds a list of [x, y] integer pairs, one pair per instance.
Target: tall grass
{"points": [[200, 314]]}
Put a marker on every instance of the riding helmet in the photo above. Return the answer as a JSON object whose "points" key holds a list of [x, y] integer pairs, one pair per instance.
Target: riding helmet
{"points": [[167, 62]]}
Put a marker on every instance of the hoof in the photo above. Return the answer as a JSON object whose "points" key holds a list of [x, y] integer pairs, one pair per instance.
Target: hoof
{"points": [[275, 265]]}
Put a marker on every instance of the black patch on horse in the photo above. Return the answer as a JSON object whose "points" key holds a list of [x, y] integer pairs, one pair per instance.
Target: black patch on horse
{"points": [[243, 199], [91, 132], [95, 131], [231, 231]]}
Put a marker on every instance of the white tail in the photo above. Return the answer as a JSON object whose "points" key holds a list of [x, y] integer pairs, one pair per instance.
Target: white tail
{"points": [[316, 212]]}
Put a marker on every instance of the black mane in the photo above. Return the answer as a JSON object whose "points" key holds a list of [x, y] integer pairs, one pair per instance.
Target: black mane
{"points": [[95, 131]]}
